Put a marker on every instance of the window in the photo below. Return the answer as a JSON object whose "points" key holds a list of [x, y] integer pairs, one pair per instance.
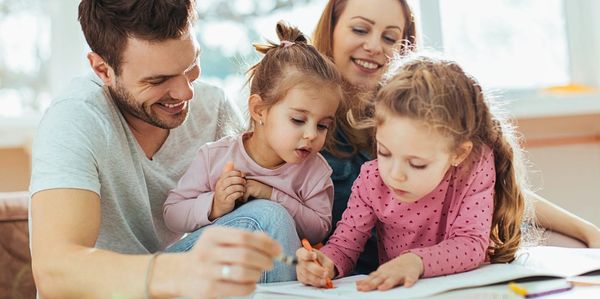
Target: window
{"points": [[508, 45], [488, 37], [227, 30], [24, 52], [517, 45]]}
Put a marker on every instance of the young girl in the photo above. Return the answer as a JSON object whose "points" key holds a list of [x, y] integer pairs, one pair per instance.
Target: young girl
{"points": [[295, 92], [432, 194]]}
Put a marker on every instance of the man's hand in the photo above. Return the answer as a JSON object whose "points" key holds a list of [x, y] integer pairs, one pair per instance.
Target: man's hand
{"points": [[226, 262], [405, 269], [229, 188]]}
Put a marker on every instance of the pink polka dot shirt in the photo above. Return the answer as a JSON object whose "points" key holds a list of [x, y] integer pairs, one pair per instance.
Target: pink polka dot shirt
{"points": [[448, 228]]}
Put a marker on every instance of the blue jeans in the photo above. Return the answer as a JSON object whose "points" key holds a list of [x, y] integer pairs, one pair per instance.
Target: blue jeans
{"points": [[257, 215]]}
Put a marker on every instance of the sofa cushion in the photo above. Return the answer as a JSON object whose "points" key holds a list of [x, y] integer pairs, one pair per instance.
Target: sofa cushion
{"points": [[16, 279]]}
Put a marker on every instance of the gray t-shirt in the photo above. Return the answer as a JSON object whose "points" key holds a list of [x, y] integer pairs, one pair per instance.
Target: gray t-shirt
{"points": [[83, 142]]}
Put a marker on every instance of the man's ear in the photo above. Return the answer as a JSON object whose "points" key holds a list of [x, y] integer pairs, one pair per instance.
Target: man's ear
{"points": [[462, 152], [256, 108], [101, 68]]}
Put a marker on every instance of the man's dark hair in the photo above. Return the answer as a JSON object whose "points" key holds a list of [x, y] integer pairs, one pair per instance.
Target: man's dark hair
{"points": [[107, 24]]}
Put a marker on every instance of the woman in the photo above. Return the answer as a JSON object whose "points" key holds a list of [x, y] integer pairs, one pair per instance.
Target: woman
{"points": [[360, 35]]}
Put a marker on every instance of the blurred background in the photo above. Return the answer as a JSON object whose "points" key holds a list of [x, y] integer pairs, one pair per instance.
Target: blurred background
{"points": [[540, 57]]}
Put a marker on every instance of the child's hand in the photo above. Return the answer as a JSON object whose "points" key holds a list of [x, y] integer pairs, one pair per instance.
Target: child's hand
{"points": [[256, 189], [228, 189], [405, 269], [309, 271]]}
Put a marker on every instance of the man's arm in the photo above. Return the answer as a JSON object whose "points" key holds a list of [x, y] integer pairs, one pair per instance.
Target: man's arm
{"points": [[65, 225]]}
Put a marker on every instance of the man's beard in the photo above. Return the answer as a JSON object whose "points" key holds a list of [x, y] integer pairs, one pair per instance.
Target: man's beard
{"points": [[127, 104]]}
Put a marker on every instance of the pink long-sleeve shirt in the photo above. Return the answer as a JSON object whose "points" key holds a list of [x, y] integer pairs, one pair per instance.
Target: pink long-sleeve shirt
{"points": [[304, 189], [448, 228]]}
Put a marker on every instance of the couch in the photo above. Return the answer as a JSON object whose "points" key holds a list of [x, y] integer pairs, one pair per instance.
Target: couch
{"points": [[16, 279]]}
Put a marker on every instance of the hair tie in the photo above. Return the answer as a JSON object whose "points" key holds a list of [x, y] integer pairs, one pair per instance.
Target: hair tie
{"points": [[286, 43]]}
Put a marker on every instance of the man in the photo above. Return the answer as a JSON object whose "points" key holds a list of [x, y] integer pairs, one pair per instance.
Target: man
{"points": [[108, 151]]}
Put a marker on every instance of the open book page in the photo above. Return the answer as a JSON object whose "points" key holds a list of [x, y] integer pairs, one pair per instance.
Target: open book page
{"points": [[534, 261], [559, 261]]}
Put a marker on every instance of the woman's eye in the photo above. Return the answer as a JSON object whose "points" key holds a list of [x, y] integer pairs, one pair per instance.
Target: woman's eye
{"points": [[389, 40], [359, 30]]}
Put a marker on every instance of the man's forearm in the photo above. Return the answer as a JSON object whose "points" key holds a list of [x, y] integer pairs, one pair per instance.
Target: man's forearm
{"points": [[78, 272]]}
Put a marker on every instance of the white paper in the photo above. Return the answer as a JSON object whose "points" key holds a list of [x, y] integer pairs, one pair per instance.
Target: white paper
{"points": [[533, 261]]}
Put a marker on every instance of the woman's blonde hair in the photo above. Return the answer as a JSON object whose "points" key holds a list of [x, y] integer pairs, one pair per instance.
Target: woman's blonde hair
{"points": [[323, 41], [439, 93]]}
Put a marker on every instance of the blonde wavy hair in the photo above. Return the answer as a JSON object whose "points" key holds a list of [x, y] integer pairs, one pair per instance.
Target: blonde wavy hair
{"points": [[439, 93]]}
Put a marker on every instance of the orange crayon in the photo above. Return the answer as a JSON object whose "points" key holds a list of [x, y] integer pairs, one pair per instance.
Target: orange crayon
{"points": [[306, 245]]}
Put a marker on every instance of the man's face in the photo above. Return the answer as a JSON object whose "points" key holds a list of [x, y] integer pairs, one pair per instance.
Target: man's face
{"points": [[156, 78]]}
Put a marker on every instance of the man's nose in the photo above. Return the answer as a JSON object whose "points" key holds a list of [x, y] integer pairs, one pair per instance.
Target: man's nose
{"points": [[181, 88]]}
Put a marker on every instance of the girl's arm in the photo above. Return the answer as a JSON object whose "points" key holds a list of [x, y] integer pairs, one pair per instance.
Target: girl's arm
{"points": [[188, 205], [553, 217], [469, 221], [354, 229], [195, 203], [312, 214]]}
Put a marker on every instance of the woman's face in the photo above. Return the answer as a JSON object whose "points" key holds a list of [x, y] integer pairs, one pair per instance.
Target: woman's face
{"points": [[364, 38]]}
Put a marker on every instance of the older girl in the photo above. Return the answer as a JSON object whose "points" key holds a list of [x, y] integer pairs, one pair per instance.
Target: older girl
{"points": [[444, 192]]}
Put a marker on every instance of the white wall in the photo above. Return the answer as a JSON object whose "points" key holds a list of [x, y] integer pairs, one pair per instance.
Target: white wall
{"points": [[565, 156]]}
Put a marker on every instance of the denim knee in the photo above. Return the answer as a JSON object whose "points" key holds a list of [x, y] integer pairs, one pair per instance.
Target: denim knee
{"points": [[268, 213]]}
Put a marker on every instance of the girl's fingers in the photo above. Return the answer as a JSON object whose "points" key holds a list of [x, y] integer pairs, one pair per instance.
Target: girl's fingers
{"points": [[228, 167], [233, 180], [231, 174], [234, 188], [316, 270], [308, 276], [304, 255], [409, 281], [370, 283], [232, 197], [389, 283]]}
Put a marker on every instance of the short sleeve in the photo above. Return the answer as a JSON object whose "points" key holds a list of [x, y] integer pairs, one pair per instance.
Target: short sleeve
{"points": [[64, 153]]}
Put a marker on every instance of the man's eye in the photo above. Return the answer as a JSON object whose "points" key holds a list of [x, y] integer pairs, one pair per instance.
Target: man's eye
{"points": [[156, 82]]}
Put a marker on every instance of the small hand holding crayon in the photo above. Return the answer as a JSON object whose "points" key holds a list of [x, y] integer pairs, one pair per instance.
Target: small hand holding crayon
{"points": [[314, 268]]}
